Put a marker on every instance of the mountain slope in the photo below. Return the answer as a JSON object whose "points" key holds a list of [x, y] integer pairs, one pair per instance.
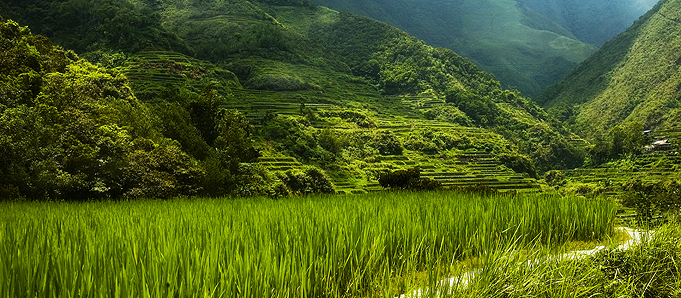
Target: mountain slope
{"points": [[322, 89], [521, 48], [634, 77], [592, 21]]}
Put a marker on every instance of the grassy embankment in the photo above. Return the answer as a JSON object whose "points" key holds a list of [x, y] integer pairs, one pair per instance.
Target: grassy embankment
{"points": [[647, 269], [375, 245]]}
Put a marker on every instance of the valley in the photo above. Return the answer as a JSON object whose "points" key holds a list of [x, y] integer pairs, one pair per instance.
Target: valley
{"points": [[280, 148]]}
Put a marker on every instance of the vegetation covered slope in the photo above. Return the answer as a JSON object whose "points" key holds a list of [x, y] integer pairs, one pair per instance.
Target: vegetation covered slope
{"points": [[331, 90], [592, 21], [305, 46], [72, 130], [520, 47], [634, 77]]}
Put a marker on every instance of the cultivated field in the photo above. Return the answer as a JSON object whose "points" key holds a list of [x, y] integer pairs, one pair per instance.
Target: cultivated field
{"points": [[374, 245]]}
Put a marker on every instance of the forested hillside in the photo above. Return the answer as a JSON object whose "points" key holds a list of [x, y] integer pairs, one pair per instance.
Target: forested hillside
{"points": [[592, 21], [244, 98], [520, 47], [633, 78]]}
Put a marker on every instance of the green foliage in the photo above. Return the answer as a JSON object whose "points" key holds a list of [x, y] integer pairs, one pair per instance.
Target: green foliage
{"points": [[387, 143], [554, 178], [650, 199], [331, 247], [227, 166], [519, 163], [296, 136], [448, 113], [90, 25], [177, 125], [305, 182], [409, 179], [632, 78], [360, 118], [556, 153], [431, 141], [482, 110], [75, 136], [204, 113], [623, 140], [226, 177], [163, 172]]}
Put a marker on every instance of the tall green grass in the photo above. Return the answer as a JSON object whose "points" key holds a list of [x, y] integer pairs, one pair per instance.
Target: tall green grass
{"points": [[651, 268], [321, 246]]}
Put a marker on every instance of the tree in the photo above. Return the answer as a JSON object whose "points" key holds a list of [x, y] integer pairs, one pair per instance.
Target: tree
{"points": [[407, 179]]}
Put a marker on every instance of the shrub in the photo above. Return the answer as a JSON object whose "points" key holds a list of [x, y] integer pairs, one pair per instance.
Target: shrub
{"points": [[386, 142], [650, 198], [448, 113], [304, 182], [554, 178], [519, 163], [163, 172], [407, 179]]}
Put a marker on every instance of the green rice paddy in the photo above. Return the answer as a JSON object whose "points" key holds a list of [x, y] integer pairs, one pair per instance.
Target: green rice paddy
{"points": [[374, 245]]}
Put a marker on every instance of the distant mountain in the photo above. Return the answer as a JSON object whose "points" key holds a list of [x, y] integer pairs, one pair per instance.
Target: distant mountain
{"points": [[520, 47], [634, 77], [592, 21]]}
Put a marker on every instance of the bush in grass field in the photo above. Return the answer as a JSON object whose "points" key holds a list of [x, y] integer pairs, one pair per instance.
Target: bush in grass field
{"points": [[555, 178], [407, 179], [304, 182]]}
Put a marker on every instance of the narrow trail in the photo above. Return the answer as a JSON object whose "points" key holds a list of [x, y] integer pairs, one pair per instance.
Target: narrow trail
{"points": [[467, 277]]}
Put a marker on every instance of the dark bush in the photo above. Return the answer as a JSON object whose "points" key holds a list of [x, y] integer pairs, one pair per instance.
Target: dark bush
{"points": [[554, 178], [309, 181], [386, 143], [407, 179], [519, 163]]}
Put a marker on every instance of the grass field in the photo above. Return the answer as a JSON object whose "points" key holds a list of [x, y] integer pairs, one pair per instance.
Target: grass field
{"points": [[374, 245]]}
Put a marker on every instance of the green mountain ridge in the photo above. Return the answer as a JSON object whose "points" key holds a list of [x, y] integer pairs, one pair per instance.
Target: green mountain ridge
{"points": [[592, 21], [520, 47], [321, 89], [633, 78]]}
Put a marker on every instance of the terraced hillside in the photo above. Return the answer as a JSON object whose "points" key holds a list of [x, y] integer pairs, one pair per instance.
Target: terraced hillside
{"points": [[332, 90], [155, 73], [453, 168], [609, 179]]}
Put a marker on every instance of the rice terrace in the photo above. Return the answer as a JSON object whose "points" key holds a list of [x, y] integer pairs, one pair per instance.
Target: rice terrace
{"points": [[340, 148]]}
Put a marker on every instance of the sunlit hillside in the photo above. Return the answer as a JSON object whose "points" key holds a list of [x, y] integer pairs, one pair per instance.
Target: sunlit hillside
{"points": [[520, 47], [634, 77]]}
